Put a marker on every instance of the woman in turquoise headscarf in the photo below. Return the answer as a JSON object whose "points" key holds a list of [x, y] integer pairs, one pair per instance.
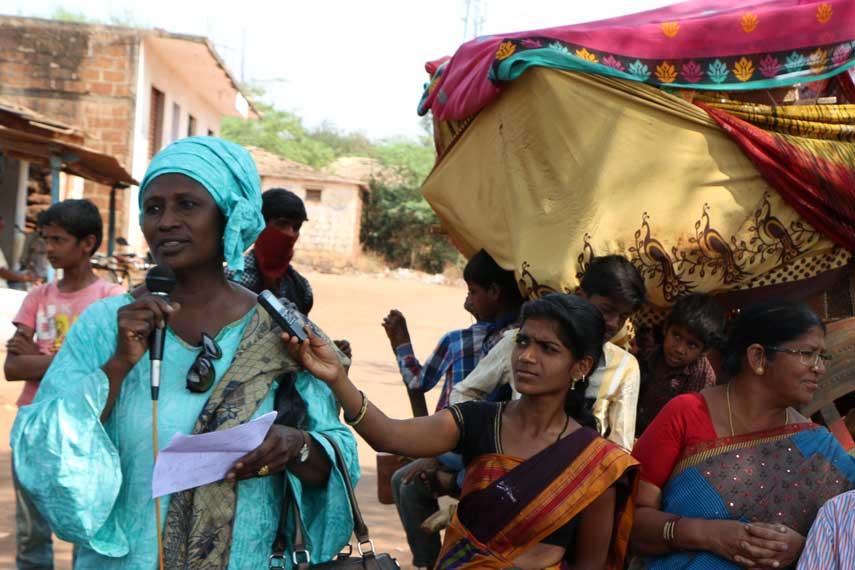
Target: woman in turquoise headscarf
{"points": [[83, 449]]}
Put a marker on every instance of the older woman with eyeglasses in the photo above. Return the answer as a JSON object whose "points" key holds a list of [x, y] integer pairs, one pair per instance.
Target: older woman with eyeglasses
{"points": [[734, 476], [83, 449]]}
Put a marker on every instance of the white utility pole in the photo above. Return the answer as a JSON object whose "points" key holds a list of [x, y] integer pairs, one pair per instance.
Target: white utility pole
{"points": [[473, 18]]}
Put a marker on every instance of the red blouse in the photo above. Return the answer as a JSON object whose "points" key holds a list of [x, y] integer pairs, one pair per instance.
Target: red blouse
{"points": [[684, 421]]}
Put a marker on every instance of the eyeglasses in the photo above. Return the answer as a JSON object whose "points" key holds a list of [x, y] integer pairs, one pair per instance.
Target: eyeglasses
{"points": [[201, 375], [809, 358]]}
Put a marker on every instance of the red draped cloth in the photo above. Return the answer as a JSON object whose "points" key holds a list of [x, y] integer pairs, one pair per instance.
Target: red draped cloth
{"points": [[815, 176]]}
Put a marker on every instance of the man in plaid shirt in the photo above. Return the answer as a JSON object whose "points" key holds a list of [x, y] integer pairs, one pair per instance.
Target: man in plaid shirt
{"points": [[494, 300], [456, 355]]}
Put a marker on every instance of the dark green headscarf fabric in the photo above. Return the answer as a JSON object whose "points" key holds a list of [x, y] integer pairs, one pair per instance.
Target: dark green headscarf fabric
{"points": [[227, 171]]}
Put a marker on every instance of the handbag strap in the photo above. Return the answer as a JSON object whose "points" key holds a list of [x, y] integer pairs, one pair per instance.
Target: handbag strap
{"points": [[360, 529], [301, 556]]}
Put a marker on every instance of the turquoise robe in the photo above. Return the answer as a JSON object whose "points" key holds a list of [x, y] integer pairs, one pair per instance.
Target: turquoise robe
{"points": [[92, 481]]}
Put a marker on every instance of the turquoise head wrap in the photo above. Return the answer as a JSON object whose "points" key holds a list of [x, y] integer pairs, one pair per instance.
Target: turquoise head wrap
{"points": [[227, 171]]}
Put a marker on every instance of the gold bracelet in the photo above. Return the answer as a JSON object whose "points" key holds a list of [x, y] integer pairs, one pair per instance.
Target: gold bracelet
{"points": [[361, 415]]}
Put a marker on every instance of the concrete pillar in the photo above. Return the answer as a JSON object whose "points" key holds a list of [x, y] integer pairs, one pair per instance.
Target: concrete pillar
{"points": [[111, 226], [55, 166], [20, 220], [71, 186]]}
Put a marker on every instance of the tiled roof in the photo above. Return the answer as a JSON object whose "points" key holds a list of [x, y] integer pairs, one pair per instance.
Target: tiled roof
{"points": [[274, 166]]}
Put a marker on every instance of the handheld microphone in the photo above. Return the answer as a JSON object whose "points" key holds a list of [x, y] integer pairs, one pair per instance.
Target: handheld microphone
{"points": [[160, 280]]}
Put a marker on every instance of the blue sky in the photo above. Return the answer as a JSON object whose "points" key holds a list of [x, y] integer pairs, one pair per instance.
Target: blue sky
{"points": [[356, 64]]}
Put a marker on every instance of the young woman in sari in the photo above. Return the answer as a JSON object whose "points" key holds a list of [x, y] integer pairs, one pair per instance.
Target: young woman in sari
{"points": [[734, 476], [539, 480], [83, 448]]}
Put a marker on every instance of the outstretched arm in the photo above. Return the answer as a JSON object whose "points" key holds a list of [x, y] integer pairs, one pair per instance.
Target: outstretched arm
{"points": [[418, 437]]}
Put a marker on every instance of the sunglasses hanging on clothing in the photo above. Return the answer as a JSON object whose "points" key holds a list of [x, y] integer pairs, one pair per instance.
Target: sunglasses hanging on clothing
{"points": [[201, 375]]}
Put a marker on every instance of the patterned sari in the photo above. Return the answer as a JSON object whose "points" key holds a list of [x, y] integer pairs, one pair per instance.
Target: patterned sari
{"points": [[509, 505], [782, 476]]}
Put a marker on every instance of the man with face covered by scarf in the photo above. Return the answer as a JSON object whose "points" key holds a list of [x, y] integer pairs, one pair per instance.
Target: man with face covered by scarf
{"points": [[268, 265]]}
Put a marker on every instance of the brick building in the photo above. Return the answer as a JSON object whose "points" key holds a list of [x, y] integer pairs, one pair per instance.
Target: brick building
{"points": [[130, 91], [333, 204]]}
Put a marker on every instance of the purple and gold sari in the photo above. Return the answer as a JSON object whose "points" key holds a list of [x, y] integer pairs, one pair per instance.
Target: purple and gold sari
{"points": [[508, 505], [782, 476]]}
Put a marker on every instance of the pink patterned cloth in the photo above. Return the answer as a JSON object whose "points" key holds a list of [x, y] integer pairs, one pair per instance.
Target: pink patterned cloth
{"points": [[699, 29]]}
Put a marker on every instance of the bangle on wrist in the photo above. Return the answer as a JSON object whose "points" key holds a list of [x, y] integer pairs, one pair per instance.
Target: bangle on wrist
{"points": [[361, 415], [303, 452], [669, 531]]}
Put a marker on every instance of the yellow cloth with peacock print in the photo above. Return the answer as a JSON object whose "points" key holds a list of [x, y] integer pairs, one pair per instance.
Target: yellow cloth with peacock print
{"points": [[564, 166]]}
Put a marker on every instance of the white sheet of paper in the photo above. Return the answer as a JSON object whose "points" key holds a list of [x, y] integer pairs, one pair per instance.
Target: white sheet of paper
{"points": [[193, 460]]}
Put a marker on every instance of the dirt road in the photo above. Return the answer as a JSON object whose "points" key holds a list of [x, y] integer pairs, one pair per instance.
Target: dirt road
{"points": [[345, 307]]}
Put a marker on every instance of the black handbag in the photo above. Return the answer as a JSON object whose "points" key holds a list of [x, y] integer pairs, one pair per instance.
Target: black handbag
{"points": [[366, 559]]}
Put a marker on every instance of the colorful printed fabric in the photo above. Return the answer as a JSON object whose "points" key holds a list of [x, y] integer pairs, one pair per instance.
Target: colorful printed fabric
{"points": [[781, 476], [575, 165], [92, 480], [816, 176], [831, 542], [198, 530], [509, 505], [701, 44], [825, 122], [456, 355]]}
